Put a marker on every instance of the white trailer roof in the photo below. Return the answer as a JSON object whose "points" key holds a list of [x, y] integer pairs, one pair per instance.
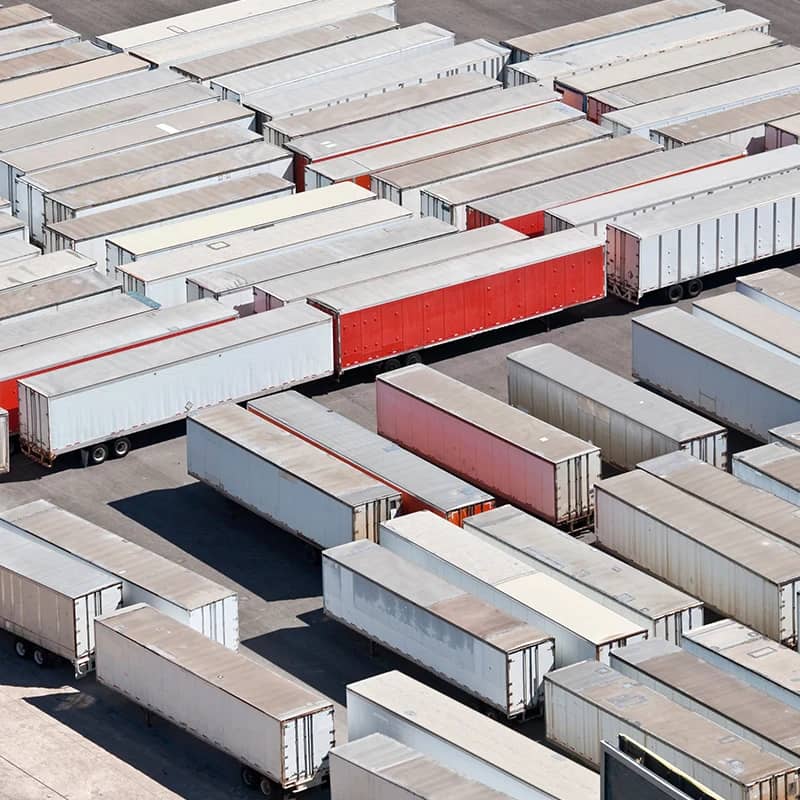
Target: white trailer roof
{"points": [[152, 154], [670, 61], [699, 77], [319, 93], [788, 124], [108, 551], [435, 116], [776, 283], [159, 355], [393, 464], [475, 734], [487, 413], [243, 32], [779, 462], [339, 59], [640, 44], [707, 187], [417, 586], [132, 185], [22, 14], [287, 46], [54, 322], [42, 267], [231, 673], [314, 254], [787, 434], [607, 25], [244, 246], [291, 454], [148, 108], [257, 215], [28, 38], [171, 27], [447, 91], [313, 282], [607, 178], [45, 60], [515, 150], [112, 335], [58, 571], [530, 171], [447, 141], [383, 289], [15, 249], [601, 386], [701, 102], [725, 348], [169, 207]]}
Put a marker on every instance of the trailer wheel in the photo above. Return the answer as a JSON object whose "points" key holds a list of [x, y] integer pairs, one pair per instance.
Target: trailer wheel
{"points": [[250, 778], [413, 358], [41, 658], [674, 293], [269, 788], [98, 454], [694, 287], [21, 648], [392, 364], [121, 447]]}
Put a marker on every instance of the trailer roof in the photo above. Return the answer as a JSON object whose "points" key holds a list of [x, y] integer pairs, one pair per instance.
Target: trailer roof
{"points": [[608, 25], [698, 77], [640, 44], [22, 121], [150, 154], [402, 766], [441, 115], [117, 556], [652, 166], [788, 434], [22, 14], [734, 539], [44, 60], [15, 250], [775, 283], [308, 283], [600, 386], [9, 224], [201, 114], [257, 215], [755, 506], [483, 157], [416, 148], [788, 124], [171, 351], [239, 246], [54, 322], [313, 254], [398, 467], [751, 650], [234, 674], [588, 565], [116, 334], [491, 415], [418, 587], [281, 47], [701, 102], [320, 93], [779, 462], [474, 733], [339, 59], [42, 267], [186, 171], [169, 207], [541, 168], [411, 97], [23, 38], [58, 571], [238, 33], [386, 288], [740, 761], [668, 62], [23, 299], [291, 454]]}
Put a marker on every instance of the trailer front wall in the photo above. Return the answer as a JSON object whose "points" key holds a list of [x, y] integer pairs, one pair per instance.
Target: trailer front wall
{"points": [[464, 309]]}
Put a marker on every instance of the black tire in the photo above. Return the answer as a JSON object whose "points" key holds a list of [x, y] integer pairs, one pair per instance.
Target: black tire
{"points": [[121, 447], [98, 454], [21, 648], [250, 778], [413, 358], [269, 788], [41, 658], [694, 287], [674, 293], [392, 364]]}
